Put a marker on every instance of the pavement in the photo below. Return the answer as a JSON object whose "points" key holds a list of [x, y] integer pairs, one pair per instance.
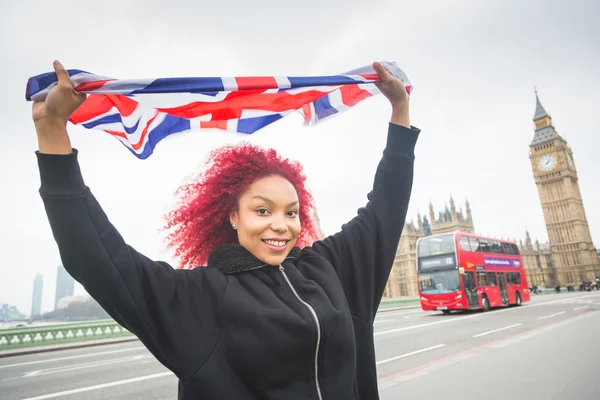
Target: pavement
{"points": [[545, 349]]}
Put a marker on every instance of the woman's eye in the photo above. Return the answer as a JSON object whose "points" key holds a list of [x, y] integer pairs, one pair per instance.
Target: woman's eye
{"points": [[292, 213], [262, 211]]}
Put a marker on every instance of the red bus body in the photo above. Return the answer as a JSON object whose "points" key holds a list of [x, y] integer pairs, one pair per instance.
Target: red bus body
{"points": [[462, 271]]}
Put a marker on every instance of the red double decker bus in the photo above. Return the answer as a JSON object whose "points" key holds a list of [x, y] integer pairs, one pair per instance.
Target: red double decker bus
{"points": [[461, 271]]}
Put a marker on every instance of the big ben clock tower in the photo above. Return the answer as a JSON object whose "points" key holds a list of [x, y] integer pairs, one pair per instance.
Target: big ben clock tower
{"points": [[573, 253]]}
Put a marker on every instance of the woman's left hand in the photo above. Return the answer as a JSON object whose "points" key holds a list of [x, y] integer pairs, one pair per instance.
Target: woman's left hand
{"points": [[393, 89]]}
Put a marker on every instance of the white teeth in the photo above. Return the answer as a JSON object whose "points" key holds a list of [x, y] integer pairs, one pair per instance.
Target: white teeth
{"points": [[276, 243]]}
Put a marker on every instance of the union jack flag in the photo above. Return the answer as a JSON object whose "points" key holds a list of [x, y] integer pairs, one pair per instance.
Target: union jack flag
{"points": [[141, 112]]}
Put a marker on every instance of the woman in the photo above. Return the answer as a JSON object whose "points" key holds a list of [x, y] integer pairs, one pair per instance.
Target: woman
{"points": [[265, 319]]}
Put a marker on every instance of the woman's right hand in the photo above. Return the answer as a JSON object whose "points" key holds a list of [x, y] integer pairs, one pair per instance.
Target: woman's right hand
{"points": [[51, 115], [61, 101]]}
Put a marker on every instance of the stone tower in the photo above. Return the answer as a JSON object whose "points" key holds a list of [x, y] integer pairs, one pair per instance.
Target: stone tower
{"points": [[573, 253]]}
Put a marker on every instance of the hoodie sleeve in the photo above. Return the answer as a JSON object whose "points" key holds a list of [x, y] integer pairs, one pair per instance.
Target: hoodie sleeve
{"points": [[363, 252], [167, 309]]}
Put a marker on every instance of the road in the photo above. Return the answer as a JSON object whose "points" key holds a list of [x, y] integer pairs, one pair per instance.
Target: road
{"points": [[546, 349]]}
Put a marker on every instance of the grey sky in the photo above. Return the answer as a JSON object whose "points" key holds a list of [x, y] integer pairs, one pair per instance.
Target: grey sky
{"points": [[473, 65]]}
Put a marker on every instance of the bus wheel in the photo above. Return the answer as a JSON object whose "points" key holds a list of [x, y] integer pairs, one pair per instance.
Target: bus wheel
{"points": [[485, 303], [446, 312], [518, 298]]}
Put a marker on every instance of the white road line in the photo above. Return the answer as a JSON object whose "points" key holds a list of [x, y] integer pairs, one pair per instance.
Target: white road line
{"points": [[552, 315], [397, 313], [495, 312], [72, 357], [83, 366], [580, 308], [384, 320], [101, 386], [410, 354], [496, 330]]}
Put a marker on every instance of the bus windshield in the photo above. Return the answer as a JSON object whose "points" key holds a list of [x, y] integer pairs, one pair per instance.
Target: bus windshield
{"points": [[436, 245], [439, 282]]}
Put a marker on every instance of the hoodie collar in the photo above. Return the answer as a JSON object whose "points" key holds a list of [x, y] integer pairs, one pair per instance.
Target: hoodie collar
{"points": [[232, 258]]}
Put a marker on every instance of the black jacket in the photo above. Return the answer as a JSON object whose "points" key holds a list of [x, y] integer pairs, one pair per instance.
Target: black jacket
{"points": [[237, 330]]}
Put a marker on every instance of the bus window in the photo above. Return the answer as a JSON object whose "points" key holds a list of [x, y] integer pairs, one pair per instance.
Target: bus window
{"points": [[515, 249], [484, 246], [507, 249], [436, 245], [464, 243], [439, 282], [513, 278], [495, 246], [481, 279], [474, 244], [491, 278]]}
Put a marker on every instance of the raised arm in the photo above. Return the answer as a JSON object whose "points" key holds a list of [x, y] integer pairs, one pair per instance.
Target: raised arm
{"points": [[166, 308], [363, 252]]}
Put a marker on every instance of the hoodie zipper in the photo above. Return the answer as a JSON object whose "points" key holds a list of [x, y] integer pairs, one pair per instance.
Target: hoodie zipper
{"points": [[316, 318]]}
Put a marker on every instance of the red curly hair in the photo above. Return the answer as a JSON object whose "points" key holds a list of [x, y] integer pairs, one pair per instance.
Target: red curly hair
{"points": [[200, 223]]}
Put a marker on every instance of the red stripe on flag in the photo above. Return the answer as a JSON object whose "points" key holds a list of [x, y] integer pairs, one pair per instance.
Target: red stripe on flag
{"points": [[253, 83], [352, 95], [214, 124], [98, 104], [237, 101], [138, 145], [371, 77], [119, 134], [307, 112], [88, 86]]}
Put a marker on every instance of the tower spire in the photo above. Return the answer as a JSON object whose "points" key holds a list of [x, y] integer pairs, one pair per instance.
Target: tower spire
{"points": [[540, 111], [544, 131]]}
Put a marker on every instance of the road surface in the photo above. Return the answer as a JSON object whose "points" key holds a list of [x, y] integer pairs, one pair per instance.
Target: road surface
{"points": [[546, 349]]}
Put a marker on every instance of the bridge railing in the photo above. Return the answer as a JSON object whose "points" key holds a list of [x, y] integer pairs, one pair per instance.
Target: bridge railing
{"points": [[104, 329], [60, 334], [399, 302]]}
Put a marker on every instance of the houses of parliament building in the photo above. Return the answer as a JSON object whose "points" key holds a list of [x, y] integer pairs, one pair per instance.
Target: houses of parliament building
{"points": [[568, 258]]}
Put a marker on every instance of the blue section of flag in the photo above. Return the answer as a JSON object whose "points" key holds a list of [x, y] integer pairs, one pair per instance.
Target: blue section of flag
{"points": [[251, 125], [182, 85], [323, 108]]}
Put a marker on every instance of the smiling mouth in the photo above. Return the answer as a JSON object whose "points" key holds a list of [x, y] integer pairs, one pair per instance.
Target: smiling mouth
{"points": [[275, 243]]}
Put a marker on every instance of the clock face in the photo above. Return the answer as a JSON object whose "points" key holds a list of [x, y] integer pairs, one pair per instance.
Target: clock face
{"points": [[570, 159], [547, 163]]}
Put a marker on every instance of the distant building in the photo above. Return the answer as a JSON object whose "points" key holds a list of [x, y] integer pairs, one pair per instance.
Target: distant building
{"points": [[36, 302], [64, 284], [317, 223], [537, 261], [403, 277], [573, 257], [10, 313], [68, 300]]}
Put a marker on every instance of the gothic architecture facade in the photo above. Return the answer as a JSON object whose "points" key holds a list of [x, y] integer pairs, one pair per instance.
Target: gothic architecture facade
{"points": [[537, 261], [403, 277]]}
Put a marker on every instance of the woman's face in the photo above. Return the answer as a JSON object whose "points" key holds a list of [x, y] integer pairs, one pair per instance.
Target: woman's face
{"points": [[267, 220]]}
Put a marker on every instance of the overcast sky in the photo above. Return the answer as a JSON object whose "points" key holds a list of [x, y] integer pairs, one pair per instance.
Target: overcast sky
{"points": [[473, 65]]}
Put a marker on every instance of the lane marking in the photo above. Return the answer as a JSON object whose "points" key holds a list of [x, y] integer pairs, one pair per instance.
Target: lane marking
{"points": [[496, 342], [494, 312], [412, 353], [552, 315], [496, 330], [580, 308], [384, 320], [396, 313], [101, 386], [71, 357], [83, 366]]}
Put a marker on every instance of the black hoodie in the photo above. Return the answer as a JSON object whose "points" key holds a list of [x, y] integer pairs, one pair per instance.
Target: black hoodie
{"points": [[238, 329]]}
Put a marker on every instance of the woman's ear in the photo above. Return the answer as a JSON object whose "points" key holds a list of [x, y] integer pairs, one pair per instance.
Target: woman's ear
{"points": [[233, 218]]}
